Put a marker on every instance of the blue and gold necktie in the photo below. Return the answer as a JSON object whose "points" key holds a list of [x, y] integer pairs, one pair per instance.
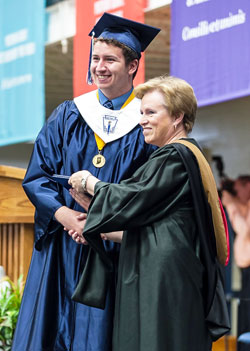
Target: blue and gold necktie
{"points": [[108, 104]]}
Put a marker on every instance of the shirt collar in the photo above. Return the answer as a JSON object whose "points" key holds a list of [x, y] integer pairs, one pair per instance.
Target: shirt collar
{"points": [[117, 102]]}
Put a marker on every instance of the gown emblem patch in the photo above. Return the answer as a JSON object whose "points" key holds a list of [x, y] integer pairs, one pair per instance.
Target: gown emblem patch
{"points": [[109, 124]]}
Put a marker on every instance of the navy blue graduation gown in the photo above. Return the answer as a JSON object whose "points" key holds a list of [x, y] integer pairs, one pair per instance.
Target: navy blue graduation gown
{"points": [[49, 319]]}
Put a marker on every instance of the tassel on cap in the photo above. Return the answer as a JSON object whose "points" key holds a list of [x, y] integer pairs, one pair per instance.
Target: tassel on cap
{"points": [[89, 78]]}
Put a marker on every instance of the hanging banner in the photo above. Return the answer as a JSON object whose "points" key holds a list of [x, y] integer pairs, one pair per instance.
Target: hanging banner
{"points": [[210, 47], [21, 70], [87, 14]]}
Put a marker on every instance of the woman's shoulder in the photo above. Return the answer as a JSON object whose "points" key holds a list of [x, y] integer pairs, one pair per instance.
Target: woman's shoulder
{"points": [[171, 147], [164, 151], [171, 153]]}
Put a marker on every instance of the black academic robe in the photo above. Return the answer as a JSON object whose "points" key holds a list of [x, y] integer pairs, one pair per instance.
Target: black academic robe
{"points": [[49, 320], [161, 303]]}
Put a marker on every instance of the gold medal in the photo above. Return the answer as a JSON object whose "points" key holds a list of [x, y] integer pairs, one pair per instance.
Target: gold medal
{"points": [[98, 161]]}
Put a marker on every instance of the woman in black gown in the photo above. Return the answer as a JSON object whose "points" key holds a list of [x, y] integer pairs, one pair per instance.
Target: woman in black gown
{"points": [[168, 279]]}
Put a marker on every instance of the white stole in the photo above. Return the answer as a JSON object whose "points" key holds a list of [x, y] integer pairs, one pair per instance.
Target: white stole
{"points": [[109, 125]]}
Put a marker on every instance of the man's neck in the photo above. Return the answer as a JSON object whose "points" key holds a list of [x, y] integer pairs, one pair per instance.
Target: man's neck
{"points": [[111, 95], [117, 101]]}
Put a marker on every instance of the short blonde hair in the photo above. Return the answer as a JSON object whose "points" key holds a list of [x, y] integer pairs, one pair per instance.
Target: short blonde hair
{"points": [[178, 95]]}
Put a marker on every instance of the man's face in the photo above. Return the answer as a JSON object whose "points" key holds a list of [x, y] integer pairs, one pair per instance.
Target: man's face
{"points": [[109, 70]]}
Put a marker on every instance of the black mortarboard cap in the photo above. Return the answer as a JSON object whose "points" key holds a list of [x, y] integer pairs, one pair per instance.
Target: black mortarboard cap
{"points": [[137, 36]]}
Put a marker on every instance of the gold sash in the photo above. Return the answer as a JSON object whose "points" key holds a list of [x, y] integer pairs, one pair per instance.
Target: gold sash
{"points": [[213, 200]]}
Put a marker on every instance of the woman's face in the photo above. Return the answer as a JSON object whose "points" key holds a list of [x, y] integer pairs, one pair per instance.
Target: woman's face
{"points": [[157, 124]]}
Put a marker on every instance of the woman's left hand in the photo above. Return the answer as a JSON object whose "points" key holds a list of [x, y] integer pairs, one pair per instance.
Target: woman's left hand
{"points": [[76, 180]]}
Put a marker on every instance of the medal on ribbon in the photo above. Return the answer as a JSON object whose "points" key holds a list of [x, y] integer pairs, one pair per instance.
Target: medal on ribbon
{"points": [[98, 160]]}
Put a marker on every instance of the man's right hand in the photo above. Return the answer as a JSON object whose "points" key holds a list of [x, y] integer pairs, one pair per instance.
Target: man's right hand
{"points": [[73, 222]]}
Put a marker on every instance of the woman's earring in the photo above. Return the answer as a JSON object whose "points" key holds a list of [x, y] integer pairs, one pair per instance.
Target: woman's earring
{"points": [[175, 126]]}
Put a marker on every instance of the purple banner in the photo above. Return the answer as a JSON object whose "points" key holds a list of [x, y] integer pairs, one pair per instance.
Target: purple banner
{"points": [[210, 47]]}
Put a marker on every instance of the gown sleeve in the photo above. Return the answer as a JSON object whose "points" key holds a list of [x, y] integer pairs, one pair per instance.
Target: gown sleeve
{"points": [[151, 193], [46, 159]]}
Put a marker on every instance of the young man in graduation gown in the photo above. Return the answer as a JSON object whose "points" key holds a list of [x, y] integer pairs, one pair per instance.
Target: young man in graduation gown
{"points": [[80, 134]]}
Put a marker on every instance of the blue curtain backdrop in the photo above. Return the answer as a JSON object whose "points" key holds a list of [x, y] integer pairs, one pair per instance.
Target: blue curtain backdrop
{"points": [[210, 47], [22, 32]]}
